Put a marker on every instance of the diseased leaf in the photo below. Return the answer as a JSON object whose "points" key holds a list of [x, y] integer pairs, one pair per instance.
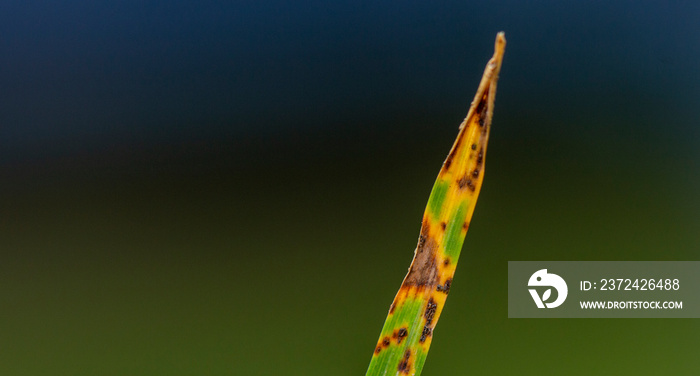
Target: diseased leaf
{"points": [[408, 330]]}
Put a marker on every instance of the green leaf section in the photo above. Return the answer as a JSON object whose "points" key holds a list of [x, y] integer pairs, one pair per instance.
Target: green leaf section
{"points": [[454, 235], [437, 197], [407, 315]]}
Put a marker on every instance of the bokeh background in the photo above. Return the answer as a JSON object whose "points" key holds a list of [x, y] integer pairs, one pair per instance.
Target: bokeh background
{"points": [[236, 188]]}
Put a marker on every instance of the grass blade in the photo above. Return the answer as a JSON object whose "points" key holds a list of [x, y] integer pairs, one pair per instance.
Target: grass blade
{"points": [[408, 330]]}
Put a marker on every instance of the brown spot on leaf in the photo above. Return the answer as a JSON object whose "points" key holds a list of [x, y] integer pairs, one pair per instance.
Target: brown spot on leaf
{"points": [[480, 111], [446, 287], [481, 106], [403, 332], [424, 232], [421, 241], [386, 342], [480, 157], [446, 262], [423, 237], [404, 367], [465, 226], [466, 181], [443, 225], [430, 311], [475, 173], [473, 146], [427, 332], [423, 270], [392, 308], [448, 161], [378, 350]]}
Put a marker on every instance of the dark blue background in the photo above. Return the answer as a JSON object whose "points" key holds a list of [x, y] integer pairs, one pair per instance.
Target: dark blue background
{"points": [[81, 76]]}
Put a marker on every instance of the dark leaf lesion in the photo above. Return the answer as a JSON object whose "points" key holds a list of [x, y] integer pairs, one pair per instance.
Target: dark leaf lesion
{"points": [[481, 108], [423, 271], [430, 310], [429, 315], [466, 182], [446, 287], [404, 365], [401, 334], [427, 332]]}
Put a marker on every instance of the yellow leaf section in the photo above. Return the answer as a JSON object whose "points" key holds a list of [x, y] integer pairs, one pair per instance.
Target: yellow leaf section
{"points": [[407, 333]]}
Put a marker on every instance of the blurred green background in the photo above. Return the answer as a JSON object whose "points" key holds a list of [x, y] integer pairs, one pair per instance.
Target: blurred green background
{"points": [[198, 188]]}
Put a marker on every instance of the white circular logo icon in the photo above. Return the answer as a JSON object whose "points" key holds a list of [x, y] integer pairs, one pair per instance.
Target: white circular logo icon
{"points": [[543, 279]]}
